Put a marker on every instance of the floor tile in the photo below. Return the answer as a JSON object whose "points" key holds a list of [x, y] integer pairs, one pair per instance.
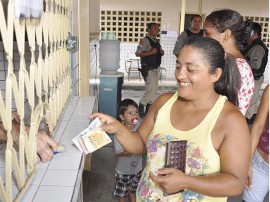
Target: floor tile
{"points": [[62, 161], [39, 176], [2, 160], [83, 109], [73, 130], [80, 117], [60, 178], [3, 150], [3, 175], [59, 130], [53, 194], [78, 124], [30, 194], [43, 165]]}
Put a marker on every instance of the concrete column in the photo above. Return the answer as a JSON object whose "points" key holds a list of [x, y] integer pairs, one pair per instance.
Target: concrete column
{"points": [[200, 8], [83, 22], [183, 12]]}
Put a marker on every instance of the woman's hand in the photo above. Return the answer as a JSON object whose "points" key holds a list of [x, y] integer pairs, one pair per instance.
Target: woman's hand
{"points": [[249, 178], [109, 124], [169, 180]]}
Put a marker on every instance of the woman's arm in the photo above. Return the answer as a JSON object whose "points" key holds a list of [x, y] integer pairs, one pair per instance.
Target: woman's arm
{"points": [[259, 123], [45, 144], [257, 128], [132, 142]]}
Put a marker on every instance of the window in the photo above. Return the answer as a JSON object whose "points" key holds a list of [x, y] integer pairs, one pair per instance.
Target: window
{"points": [[129, 26]]}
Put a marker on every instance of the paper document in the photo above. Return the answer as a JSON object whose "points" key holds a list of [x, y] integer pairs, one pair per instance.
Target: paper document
{"points": [[91, 138]]}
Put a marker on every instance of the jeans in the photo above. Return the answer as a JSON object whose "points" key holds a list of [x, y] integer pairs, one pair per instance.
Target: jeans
{"points": [[260, 183]]}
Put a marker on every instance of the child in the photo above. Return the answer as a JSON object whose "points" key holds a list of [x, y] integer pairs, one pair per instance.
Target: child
{"points": [[129, 167]]}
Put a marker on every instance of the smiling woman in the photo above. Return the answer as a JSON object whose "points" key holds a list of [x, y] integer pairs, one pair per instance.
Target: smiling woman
{"points": [[218, 139], [223, 73]]}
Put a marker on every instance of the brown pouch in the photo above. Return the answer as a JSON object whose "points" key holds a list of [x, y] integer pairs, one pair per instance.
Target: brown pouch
{"points": [[176, 156]]}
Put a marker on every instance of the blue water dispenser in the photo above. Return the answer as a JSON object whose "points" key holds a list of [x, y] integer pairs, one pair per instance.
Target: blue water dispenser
{"points": [[110, 85], [110, 91]]}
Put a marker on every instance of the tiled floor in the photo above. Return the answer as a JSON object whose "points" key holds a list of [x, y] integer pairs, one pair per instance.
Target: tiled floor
{"points": [[99, 183]]}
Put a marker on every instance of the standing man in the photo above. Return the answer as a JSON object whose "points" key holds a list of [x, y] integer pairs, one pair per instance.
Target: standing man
{"points": [[150, 52], [256, 54], [194, 30]]}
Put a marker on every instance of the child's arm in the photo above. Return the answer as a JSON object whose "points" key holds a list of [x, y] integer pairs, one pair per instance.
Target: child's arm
{"points": [[124, 153]]}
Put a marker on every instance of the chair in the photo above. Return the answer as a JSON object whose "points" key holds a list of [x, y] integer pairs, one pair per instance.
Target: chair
{"points": [[132, 68], [160, 70]]}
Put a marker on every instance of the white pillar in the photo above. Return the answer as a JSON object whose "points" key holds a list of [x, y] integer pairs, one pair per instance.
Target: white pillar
{"points": [[83, 47], [183, 12]]}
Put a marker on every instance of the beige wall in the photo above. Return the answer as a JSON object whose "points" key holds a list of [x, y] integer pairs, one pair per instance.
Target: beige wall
{"points": [[171, 12], [94, 9]]}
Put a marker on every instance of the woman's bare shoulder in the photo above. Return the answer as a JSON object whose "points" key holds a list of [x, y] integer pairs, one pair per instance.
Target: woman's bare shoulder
{"points": [[231, 127], [230, 111], [161, 100], [231, 117], [164, 98]]}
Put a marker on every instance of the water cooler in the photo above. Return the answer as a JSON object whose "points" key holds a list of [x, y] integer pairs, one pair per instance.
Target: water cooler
{"points": [[110, 86]]}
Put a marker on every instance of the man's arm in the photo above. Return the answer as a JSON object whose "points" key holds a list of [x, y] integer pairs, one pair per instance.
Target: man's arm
{"points": [[144, 48], [3, 134], [179, 43], [45, 144], [254, 56], [147, 53]]}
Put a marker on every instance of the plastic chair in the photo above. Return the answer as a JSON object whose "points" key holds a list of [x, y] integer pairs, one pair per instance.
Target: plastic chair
{"points": [[160, 70], [131, 68]]}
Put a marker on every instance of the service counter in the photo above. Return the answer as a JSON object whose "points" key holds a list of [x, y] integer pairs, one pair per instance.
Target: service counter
{"points": [[60, 179]]}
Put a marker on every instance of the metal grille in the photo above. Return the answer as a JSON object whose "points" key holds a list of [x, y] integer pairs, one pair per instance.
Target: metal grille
{"points": [[129, 26], [40, 74]]}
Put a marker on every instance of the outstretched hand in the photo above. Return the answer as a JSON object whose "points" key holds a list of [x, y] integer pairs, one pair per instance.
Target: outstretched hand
{"points": [[109, 124], [45, 146], [169, 180]]}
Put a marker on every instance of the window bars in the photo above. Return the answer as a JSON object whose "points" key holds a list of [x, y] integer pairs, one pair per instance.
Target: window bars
{"points": [[46, 85]]}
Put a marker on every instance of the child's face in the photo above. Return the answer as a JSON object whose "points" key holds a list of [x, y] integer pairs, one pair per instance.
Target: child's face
{"points": [[130, 116]]}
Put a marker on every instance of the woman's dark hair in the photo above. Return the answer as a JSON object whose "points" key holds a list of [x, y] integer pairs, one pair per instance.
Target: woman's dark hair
{"points": [[214, 55], [228, 19], [123, 105]]}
